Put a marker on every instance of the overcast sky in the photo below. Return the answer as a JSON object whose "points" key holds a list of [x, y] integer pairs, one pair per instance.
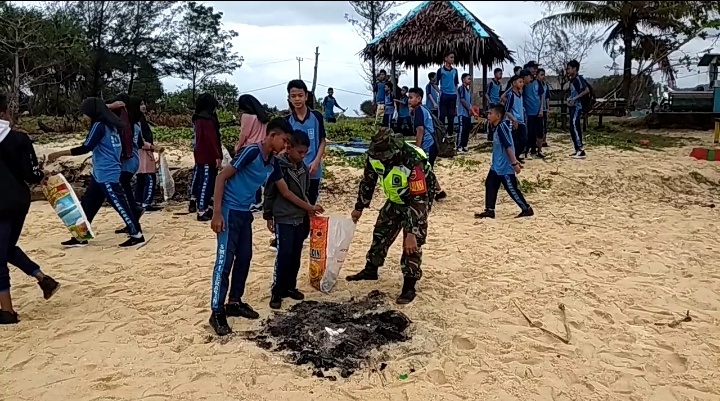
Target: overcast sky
{"points": [[273, 34]]}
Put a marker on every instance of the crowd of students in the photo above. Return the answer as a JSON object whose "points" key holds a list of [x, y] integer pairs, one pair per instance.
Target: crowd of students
{"points": [[277, 169]]}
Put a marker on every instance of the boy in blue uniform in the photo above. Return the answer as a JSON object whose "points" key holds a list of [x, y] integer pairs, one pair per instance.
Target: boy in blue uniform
{"points": [[578, 89], [424, 130], [448, 81], [533, 111], [544, 92], [389, 105], [103, 141], [432, 94], [329, 105], [404, 123], [516, 114], [232, 219], [379, 89], [287, 210], [311, 122], [465, 111], [494, 89], [503, 168]]}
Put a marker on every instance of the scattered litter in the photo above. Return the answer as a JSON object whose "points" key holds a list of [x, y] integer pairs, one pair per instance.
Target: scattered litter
{"points": [[333, 335]]}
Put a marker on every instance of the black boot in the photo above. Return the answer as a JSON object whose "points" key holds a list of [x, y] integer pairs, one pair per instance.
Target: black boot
{"points": [[364, 274], [407, 294]]}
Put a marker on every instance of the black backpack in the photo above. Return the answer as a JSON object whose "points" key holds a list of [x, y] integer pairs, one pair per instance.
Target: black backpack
{"points": [[587, 101], [446, 142]]}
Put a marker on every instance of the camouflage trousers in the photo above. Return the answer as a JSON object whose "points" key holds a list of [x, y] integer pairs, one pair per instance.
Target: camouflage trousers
{"points": [[387, 227]]}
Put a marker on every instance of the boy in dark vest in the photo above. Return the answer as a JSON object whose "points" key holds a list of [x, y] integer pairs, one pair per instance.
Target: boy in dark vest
{"points": [[287, 210]]}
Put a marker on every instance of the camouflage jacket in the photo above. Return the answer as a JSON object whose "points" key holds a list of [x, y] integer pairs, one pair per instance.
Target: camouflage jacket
{"points": [[417, 206]]}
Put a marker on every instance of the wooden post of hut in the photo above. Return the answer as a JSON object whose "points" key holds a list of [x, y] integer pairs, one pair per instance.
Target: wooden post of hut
{"points": [[415, 78], [472, 74], [393, 75]]}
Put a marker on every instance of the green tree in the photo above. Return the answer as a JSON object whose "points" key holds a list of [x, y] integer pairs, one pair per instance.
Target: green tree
{"points": [[226, 93], [98, 18], [34, 47], [633, 22], [142, 37], [203, 49]]}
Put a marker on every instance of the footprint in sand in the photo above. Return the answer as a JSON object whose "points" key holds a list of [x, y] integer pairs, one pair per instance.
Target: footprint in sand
{"points": [[605, 316], [437, 377], [463, 343]]}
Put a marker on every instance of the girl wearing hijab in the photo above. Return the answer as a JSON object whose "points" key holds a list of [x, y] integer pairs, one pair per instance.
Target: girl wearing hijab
{"points": [[147, 174], [104, 142], [253, 128], [208, 155], [131, 165]]}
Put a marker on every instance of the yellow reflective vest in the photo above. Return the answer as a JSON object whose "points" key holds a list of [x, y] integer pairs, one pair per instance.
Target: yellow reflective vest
{"points": [[395, 182]]}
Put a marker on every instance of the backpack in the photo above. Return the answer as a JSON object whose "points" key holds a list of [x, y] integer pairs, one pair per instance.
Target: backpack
{"points": [[446, 143], [587, 101]]}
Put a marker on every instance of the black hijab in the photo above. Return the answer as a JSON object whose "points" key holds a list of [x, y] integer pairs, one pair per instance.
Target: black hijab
{"points": [[250, 105], [205, 107], [96, 109]]}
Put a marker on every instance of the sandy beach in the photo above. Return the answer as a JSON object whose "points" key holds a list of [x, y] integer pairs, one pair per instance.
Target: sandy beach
{"points": [[625, 240]]}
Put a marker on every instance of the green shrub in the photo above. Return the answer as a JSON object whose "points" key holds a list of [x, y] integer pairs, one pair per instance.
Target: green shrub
{"points": [[346, 128]]}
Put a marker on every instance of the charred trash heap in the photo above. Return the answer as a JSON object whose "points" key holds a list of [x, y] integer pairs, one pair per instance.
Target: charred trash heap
{"points": [[332, 335]]}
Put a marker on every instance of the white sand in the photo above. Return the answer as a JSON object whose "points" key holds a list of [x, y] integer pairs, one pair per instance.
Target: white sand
{"points": [[612, 240]]}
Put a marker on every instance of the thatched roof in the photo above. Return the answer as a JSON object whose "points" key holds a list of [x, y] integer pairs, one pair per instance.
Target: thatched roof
{"points": [[423, 36]]}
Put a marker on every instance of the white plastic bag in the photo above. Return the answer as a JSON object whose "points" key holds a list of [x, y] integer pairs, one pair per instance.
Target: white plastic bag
{"points": [[166, 180], [226, 157], [330, 238]]}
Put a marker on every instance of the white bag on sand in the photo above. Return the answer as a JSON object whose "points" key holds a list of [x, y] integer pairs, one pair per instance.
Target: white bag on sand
{"points": [[226, 157], [330, 238], [62, 197], [166, 180]]}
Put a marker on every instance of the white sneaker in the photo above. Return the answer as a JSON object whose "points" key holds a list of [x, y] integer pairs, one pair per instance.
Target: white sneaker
{"points": [[273, 245], [579, 155]]}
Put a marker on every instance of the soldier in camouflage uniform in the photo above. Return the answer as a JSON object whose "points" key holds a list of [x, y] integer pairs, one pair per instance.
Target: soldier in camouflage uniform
{"points": [[408, 181]]}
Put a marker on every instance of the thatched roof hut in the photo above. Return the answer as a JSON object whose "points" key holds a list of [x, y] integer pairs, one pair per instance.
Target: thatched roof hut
{"points": [[421, 38]]}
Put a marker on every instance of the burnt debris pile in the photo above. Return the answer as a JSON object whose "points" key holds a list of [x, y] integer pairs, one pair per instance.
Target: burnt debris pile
{"points": [[332, 335]]}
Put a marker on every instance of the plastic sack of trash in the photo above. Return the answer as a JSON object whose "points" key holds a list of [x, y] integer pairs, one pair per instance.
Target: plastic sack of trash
{"points": [[166, 180], [61, 196], [330, 238], [226, 157]]}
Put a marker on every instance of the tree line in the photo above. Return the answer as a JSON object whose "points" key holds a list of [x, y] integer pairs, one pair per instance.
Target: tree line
{"points": [[60, 52]]}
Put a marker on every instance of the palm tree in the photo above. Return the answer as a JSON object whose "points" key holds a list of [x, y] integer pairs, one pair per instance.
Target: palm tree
{"points": [[635, 24]]}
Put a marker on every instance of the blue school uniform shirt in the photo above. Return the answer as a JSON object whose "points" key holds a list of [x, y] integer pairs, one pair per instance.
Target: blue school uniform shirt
{"points": [[132, 164], [514, 106], [448, 80], [404, 109], [380, 96], [531, 98], [544, 92], [253, 170], [577, 85], [104, 142], [329, 105], [314, 127], [463, 94], [494, 90], [502, 139], [389, 104], [422, 118], [430, 91]]}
